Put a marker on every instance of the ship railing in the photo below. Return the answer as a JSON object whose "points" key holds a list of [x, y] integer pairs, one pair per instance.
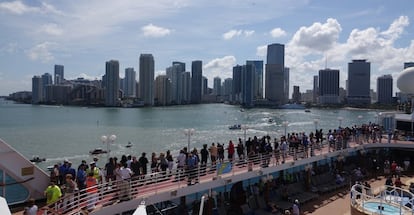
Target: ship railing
{"points": [[112, 192], [383, 197]]}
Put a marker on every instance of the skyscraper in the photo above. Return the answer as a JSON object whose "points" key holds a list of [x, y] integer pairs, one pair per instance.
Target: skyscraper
{"points": [[329, 86], [258, 78], [247, 90], [59, 74], [37, 90], [296, 96], [384, 89], [175, 74], [275, 74], [130, 83], [237, 82], [146, 78], [286, 79], [315, 89], [46, 80], [186, 87], [196, 77], [359, 75], [217, 86], [111, 83], [162, 90]]}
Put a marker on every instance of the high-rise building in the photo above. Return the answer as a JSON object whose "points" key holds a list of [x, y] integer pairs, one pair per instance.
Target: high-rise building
{"points": [[217, 86], [186, 87], [329, 86], [37, 90], [296, 97], [286, 79], [228, 82], [130, 83], [247, 89], [196, 77], [315, 89], [175, 74], [46, 80], [204, 86], [146, 79], [237, 82], [59, 74], [384, 89], [408, 64], [275, 74], [162, 90], [258, 78], [111, 83], [359, 75]]}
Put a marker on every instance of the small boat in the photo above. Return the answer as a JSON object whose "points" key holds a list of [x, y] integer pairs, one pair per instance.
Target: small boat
{"points": [[97, 151], [307, 110], [37, 159], [235, 127], [129, 145], [270, 120]]}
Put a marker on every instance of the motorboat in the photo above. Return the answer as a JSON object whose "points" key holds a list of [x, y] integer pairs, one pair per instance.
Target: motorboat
{"points": [[37, 159], [235, 127], [129, 145], [307, 111], [97, 151]]}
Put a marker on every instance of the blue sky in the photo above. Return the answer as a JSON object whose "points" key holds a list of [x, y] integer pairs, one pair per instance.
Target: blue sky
{"points": [[82, 35]]}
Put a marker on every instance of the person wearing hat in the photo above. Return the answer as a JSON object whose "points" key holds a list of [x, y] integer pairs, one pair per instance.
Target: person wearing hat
{"points": [[295, 207], [95, 171]]}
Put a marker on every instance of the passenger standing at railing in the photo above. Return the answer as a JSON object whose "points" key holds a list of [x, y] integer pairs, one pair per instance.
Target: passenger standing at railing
{"points": [[181, 163], [92, 191], [70, 188], [240, 150], [125, 186], [220, 152], [144, 162], [213, 155], [230, 151], [283, 148], [170, 161], [204, 157]]}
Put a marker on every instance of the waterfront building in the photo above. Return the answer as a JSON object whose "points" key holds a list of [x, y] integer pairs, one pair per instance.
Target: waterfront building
{"points": [[236, 88], [59, 74], [204, 86], [217, 86], [111, 83], [130, 83], [186, 87], [286, 77], [37, 89], [46, 80], [359, 74], [258, 78], [315, 89], [58, 94], [247, 86], [275, 74], [175, 74], [196, 78], [228, 87], [384, 89], [329, 86], [296, 96], [162, 90], [408, 64], [146, 79]]}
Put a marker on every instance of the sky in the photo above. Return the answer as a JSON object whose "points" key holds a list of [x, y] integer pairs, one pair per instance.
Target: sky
{"points": [[82, 35]]}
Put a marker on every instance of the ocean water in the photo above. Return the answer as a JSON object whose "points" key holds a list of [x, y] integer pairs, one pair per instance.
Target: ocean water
{"points": [[62, 132]]}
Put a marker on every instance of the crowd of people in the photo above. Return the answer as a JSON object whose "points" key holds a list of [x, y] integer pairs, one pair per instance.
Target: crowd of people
{"points": [[67, 180]]}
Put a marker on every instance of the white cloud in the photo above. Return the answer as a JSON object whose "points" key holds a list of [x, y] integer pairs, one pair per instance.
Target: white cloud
{"points": [[396, 28], [42, 52], [221, 67], [10, 48], [277, 32], [52, 29], [318, 36], [17, 7], [155, 31], [261, 51], [236, 33]]}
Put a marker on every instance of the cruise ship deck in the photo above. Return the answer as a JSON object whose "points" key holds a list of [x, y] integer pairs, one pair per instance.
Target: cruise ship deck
{"points": [[166, 190]]}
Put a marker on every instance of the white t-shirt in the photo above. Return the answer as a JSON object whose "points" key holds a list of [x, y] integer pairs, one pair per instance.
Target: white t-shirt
{"points": [[125, 173], [31, 211]]}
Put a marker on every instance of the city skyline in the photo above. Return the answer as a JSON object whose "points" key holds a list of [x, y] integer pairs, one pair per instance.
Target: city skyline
{"points": [[39, 34]]}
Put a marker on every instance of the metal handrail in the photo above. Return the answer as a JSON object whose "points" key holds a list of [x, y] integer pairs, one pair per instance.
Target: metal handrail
{"points": [[157, 182]]}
